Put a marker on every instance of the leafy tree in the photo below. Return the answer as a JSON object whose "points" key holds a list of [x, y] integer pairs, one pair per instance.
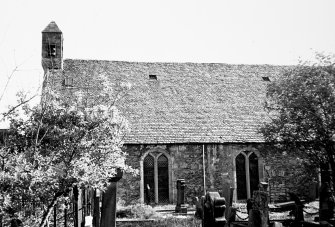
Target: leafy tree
{"points": [[63, 142], [301, 103]]}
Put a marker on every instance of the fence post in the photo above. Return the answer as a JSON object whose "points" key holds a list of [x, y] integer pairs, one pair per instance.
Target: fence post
{"points": [[55, 215], [65, 215], [96, 208], [77, 206]]}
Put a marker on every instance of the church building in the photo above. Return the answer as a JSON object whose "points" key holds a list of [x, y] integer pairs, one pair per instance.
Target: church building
{"points": [[194, 121]]}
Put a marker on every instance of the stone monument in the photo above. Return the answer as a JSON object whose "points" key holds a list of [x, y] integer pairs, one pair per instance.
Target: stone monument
{"points": [[214, 210], [108, 208], [181, 207]]}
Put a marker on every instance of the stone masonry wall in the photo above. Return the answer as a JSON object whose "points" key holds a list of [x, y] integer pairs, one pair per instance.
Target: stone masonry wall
{"points": [[284, 172]]}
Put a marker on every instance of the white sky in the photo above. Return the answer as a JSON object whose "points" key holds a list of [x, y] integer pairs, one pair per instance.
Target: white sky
{"points": [[243, 32]]}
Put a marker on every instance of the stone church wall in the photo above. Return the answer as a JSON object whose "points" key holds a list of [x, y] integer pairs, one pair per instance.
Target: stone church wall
{"points": [[284, 172]]}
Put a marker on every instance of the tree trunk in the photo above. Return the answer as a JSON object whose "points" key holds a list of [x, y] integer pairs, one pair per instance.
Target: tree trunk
{"points": [[49, 210], [330, 153]]}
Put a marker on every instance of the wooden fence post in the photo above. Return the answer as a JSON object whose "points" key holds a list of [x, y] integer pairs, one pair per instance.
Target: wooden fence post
{"points": [[55, 215], [65, 216], [96, 208], [78, 213]]}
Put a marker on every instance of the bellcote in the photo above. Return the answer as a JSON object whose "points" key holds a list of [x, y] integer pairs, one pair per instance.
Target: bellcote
{"points": [[52, 47]]}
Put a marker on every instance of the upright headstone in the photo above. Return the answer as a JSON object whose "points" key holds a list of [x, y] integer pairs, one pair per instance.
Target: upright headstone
{"points": [[259, 214], [299, 209], [231, 211], [181, 207], [249, 206], [16, 223], [313, 191], [263, 186], [108, 208], [326, 203], [214, 209], [226, 190], [231, 195], [198, 207], [88, 221]]}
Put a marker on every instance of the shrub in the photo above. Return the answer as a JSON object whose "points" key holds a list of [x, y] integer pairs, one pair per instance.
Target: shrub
{"points": [[138, 211], [142, 211]]}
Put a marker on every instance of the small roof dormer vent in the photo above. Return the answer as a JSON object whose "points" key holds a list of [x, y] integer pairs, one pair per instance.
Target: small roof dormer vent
{"points": [[152, 77], [266, 78]]}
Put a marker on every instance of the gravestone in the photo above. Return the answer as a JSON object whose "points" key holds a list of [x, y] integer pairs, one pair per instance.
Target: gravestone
{"points": [[230, 211], [263, 186], [16, 223], [226, 189], [199, 207], [313, 191], [259, 213], [181, 207], [326, 203], [214, 209], [108, 208], [249, 205], [298, 212]]}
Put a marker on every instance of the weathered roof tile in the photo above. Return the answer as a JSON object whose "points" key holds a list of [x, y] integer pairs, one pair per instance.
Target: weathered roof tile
{"points": [[189, 102], [52, 27]]}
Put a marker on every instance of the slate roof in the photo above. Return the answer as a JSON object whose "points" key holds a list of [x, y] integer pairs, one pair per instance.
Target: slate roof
{"points": [[189, 102], [52, 27]]}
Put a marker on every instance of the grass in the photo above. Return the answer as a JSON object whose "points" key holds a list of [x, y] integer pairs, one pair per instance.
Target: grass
{"points": [[168, 219], [310, 208]]}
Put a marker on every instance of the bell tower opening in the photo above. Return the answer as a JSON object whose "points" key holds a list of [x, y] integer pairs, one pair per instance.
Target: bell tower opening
{"points": [[52, 47]]}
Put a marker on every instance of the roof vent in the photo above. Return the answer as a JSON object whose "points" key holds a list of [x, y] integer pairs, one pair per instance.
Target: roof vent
{"points": [[265, 78], [153, 77]]}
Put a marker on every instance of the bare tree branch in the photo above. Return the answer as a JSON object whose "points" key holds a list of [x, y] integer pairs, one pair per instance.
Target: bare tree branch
{"points": [[17, 106], [7, 82]]}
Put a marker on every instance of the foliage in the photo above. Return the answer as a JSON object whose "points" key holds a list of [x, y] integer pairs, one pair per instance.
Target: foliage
{"points": [[301, 103], [50, 148]]}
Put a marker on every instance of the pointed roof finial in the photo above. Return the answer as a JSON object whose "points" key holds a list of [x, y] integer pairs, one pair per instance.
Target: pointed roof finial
{"points": [[52, 27]]}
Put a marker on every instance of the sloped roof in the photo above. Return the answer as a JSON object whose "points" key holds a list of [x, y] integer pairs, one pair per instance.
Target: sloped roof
{"points": [[189, 102], [52, 27]]}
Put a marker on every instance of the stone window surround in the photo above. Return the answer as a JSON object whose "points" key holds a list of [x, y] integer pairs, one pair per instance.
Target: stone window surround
{"points": [[161, 151], [260, 169]]}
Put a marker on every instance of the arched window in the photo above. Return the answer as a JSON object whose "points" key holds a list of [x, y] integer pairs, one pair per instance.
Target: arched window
{"points": [[149, 178], [156, 178], [241, 177], [163, 179], [247, 174], [253, 173]]}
